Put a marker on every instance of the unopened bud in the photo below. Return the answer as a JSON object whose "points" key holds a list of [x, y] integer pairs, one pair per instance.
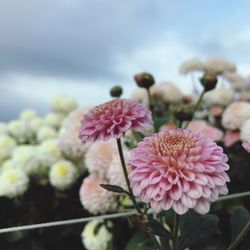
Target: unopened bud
{"points": [[208, 81], [183, 114], [144, 80], [116, 91]]}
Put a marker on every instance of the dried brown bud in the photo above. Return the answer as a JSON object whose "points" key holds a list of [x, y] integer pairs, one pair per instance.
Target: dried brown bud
{"points": [[144, 80]]}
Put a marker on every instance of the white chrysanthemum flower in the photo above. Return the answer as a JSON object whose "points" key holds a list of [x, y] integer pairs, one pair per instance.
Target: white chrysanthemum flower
{"points": [[9, 164], [94, 198], [46, 132], [63, 174], [166, 92], [96, 240], [245, 131], [3, 128], [191, 65], [28, 114], [219, 66], [235, 115], [140, 95], [64, 104], [13, 183], [7, 145], [218, 96], [68, 138], [99, 157], [20, 130], [36, 123], [49, 153], [26, 158], [54, 119]]}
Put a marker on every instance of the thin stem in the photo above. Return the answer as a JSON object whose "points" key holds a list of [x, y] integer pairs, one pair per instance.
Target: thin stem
{"points": [[233, 196], [151, 107], [197, 105], [175, 231], [125, 172], [240, 237]]}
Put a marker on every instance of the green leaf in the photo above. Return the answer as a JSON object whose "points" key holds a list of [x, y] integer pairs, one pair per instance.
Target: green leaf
{"points": [[195, 227], [114, 188], [156, 228], [239, 219], [141, 241]]}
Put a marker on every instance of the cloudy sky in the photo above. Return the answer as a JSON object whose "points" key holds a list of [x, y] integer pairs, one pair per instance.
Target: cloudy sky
{"points": [[83, 47]]}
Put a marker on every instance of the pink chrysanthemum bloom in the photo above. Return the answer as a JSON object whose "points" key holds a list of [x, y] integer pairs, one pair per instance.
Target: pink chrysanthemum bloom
{"points": [[94, 198], [114, 119], [178, 168], [246, 146]]}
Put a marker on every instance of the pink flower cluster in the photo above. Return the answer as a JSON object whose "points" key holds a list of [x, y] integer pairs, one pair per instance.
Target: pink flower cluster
{"points": [[180, 169], [113, 119]]}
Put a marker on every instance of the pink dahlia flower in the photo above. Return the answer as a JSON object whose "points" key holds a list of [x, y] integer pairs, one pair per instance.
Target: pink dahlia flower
{"points": [[114, 119], [206, 129], [94, 198], [180, 169], [246, 146]]}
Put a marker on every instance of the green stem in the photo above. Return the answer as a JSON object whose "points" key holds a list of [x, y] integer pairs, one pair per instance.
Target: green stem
{"points": [[240, 237], [125, 172], [175, 231], [151, 107], [233, 196], [197, 105]]}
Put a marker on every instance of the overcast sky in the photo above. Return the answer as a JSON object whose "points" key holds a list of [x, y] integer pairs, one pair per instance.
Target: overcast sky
{"points": [[81, 48]]}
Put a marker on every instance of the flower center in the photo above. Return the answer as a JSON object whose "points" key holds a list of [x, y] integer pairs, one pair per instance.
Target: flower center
{"points": [[108, 105]]}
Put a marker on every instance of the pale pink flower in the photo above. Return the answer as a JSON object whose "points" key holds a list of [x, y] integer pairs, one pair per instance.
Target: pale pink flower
{"points": [[231, 137], [99, 157], [114, 119], [178, 168], [94, 198], [246, 146], [206, 129], [235, 115]]}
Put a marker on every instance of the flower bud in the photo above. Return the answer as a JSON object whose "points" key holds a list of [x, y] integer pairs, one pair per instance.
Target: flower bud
{"points": [[116, 91], [208, 81], [183, 114], [144, 80]]}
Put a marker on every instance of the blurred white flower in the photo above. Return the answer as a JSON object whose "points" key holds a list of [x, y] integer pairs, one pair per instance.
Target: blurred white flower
{"points": [[64, 104], [3, 128], [96, 239], [191, 65], [26, 158], [235, 115], [28, 114], [68, 138], [13, 183], [54, 119], [218, 65], [94, 198], [245, 131], [218, 96], [166, 92], [140, 95], [8, 164], [63, 174], [36, 123], [49, 153], [20, 130], [7, 145], [46, 132]]}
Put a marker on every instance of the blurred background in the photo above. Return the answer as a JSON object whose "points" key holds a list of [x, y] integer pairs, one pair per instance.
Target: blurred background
{"points": [[81, 48]]}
